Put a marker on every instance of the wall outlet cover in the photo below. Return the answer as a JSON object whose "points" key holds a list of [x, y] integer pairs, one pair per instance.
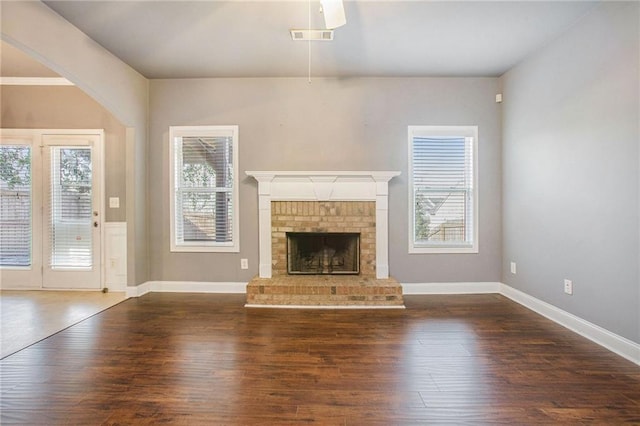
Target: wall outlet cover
{"points": [[568, 286]]}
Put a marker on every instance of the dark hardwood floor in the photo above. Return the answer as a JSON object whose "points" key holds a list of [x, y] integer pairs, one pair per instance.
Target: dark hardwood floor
{"points": [[205, 359]]}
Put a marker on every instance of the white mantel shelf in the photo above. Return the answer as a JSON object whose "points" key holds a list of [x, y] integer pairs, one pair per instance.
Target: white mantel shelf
{"points": [[350, 173], [324, 186]]}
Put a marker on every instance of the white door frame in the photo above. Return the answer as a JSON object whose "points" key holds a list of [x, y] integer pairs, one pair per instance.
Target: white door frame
{"points": [[8, 278]]}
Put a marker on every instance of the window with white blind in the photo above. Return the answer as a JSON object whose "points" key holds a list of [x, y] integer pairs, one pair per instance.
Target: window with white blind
{"points": [[204, 189], [15, 205], [443, 189]]}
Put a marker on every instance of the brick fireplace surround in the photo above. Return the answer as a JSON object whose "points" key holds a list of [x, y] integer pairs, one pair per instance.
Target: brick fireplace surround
{"points": [[324, 202], [323, 216]]}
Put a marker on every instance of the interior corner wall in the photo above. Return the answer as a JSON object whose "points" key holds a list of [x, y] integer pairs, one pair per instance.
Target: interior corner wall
{"points": [[571, 170], [330, 124]]}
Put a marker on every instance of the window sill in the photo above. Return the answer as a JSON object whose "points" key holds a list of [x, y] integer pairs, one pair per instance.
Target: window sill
{"points": [[205, 249], [443, 250]]}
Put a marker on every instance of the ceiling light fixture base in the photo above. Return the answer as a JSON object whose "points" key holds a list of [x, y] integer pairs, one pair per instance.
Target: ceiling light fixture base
{"points": [[313, 35]]}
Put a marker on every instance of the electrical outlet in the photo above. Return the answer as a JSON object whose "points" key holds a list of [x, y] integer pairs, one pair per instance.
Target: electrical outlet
{"points": [[244, 263], [513, 268], [568, 286]]}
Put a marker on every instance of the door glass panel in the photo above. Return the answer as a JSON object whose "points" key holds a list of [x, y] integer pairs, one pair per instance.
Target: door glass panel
{"points": [[70, 208], [15, 205]]}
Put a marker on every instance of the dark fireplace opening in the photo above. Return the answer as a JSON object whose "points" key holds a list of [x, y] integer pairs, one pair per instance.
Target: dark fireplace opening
{"points": [[323, 253]]}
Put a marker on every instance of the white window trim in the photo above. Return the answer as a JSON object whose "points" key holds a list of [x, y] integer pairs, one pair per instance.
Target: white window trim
{"points": [[434, 248], [204, 246]]}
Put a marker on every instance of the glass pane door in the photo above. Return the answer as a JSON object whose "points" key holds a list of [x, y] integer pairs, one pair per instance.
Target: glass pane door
{"points": [[71, 213], [20, 208], [50, 209]]}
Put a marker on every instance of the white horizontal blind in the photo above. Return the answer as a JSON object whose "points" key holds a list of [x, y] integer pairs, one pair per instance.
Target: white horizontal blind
{"points": [[70, 208], [15, 205], [204, 189], [443, 190]]}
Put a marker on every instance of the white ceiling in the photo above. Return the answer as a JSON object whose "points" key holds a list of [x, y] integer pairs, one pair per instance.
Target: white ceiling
{"points": [[182, 39]]}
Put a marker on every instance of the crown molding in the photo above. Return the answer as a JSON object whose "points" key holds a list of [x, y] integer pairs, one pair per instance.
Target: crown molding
{"points": [[35, 81]]}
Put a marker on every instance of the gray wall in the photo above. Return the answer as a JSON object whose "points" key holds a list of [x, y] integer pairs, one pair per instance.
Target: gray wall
{"points": [[331, 124], [571, 170], [66, 107]]}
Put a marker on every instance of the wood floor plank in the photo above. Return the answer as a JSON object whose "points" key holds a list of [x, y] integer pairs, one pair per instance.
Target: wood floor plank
{"points": [[191, 359]]}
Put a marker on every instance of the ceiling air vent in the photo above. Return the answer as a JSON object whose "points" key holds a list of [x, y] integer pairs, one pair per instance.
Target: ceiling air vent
{"points": [[318, 35]]}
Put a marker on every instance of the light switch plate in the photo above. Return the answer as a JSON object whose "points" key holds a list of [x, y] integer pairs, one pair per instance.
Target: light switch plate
{"points": [[114, 202]]}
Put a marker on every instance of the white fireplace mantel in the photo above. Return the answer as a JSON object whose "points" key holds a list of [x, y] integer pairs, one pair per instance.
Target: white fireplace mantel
{"points": [[324, 186]]}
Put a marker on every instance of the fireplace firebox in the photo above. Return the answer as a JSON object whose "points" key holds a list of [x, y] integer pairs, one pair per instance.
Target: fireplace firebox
{"points": [[323, 253]]}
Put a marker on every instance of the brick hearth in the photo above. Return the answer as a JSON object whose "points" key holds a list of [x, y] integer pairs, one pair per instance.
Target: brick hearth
{"points": [[315, 290]]}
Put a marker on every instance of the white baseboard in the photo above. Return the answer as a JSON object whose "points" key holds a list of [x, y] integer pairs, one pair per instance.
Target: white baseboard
{"points": [[615, 343], [140, 290], [186, 287], [450, 288], [198, 287]]}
